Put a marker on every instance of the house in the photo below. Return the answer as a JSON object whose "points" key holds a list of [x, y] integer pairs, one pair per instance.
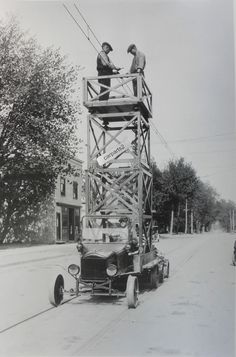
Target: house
{"points": [[68, 204]]}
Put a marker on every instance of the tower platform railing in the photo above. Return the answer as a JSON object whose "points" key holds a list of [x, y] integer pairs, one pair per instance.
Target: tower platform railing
{"points": [[126, 92]]}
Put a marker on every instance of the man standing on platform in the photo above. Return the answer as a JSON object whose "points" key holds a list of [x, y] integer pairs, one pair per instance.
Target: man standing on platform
{"points": [[105, 68], [138, 63]]}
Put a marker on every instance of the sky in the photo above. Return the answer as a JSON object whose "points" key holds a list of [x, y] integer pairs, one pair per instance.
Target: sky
{"points": [[189, 47]]}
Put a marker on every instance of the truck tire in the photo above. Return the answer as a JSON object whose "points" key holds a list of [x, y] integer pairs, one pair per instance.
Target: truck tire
{"points": [[167, 271], [56, 291], [132, 292], [161, 275], [154, 277], [234, 259]]}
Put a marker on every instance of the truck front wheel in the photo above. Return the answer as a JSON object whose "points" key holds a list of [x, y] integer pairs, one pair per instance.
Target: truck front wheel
{"points": [[132, 291]]}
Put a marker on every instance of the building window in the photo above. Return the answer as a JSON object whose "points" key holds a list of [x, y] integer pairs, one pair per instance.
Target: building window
{"points": [[63, 186], [75, 190]]}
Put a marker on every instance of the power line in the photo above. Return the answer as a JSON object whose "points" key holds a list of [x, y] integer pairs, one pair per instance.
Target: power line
{"points": [[84, 33], [202, 138], [88, 26], [153, 127], [164, 142], [217, 167], [219, 172], [210, 152], [80, 27], [87, 36]]}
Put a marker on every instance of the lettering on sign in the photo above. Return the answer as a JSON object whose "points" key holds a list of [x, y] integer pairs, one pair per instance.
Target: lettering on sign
{"points": [[108, 156]]}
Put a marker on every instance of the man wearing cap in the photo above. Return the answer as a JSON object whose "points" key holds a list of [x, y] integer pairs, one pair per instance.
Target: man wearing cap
{"points": [[105, 68], [138, 63]]}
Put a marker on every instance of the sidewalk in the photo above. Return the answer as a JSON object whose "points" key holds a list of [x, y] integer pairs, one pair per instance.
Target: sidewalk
{"points": [[16, 256], [174, 235], [22, 255]]}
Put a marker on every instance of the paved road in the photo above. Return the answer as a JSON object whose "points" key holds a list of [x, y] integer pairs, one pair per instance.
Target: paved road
{"points": [[190, 314]]}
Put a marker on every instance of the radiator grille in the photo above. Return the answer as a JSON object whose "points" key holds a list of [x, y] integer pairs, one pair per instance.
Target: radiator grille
{"points": [[93, 269]]}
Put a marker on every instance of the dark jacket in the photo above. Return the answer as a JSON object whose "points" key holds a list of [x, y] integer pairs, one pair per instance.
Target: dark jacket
{"points": [[104, 69]]}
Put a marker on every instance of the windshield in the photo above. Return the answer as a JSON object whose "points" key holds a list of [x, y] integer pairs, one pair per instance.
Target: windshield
{"points": [[105, 230]]}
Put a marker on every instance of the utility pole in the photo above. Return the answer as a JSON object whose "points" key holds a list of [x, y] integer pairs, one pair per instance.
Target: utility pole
{"points": [[186, 216], [171, 221], [233, 226], [191, 229], [233, 221], [230, 221]]}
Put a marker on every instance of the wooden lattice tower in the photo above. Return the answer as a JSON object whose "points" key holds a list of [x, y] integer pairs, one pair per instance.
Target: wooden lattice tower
{"points": [[119, 175]]}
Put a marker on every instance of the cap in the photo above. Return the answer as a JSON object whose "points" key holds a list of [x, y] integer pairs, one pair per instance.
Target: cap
{"points": [[130, 47], [108, 44]]}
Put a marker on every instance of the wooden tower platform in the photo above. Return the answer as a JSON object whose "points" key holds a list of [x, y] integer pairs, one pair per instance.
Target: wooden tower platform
{"points": [[119, 175]]}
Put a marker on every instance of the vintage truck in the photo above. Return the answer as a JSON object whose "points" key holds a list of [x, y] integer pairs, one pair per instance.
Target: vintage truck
{"points": [[111, 262]]}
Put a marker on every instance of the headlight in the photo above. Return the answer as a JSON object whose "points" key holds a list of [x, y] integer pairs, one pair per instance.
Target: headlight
{"points": [[79, 247], [127, 247], [111, 270], [134, 241], [73, 269]]}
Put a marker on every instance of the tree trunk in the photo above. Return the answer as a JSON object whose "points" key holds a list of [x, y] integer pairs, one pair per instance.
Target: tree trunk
{"points": [[178, 214], [5, 228], [198, 226]]}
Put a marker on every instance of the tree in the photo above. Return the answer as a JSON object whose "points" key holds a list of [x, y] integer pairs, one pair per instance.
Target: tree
{"points": [[179, 183], [223, 214], [158, 198], [204, 204], [176, 184], [37, 123], [171, 187]]}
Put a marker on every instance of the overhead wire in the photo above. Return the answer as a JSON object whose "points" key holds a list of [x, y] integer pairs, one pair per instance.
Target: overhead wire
{"points": [[88, 26], [88, 38], [210, 152], [163, 140], [202, 138], [219, 172], [154, 129], [152, 125], [80, 27]]}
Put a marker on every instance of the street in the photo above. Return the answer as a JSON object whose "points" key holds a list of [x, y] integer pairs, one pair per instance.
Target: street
{"points": [[191, 314]]}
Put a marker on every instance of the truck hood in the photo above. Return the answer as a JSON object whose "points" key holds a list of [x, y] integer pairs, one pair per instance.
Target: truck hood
{"points": [[103, 250]]}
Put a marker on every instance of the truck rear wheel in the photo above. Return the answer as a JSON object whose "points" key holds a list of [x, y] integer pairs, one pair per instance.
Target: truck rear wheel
{"points": [[167, 270], [162, 275], [234, 259], [154, 278]]}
